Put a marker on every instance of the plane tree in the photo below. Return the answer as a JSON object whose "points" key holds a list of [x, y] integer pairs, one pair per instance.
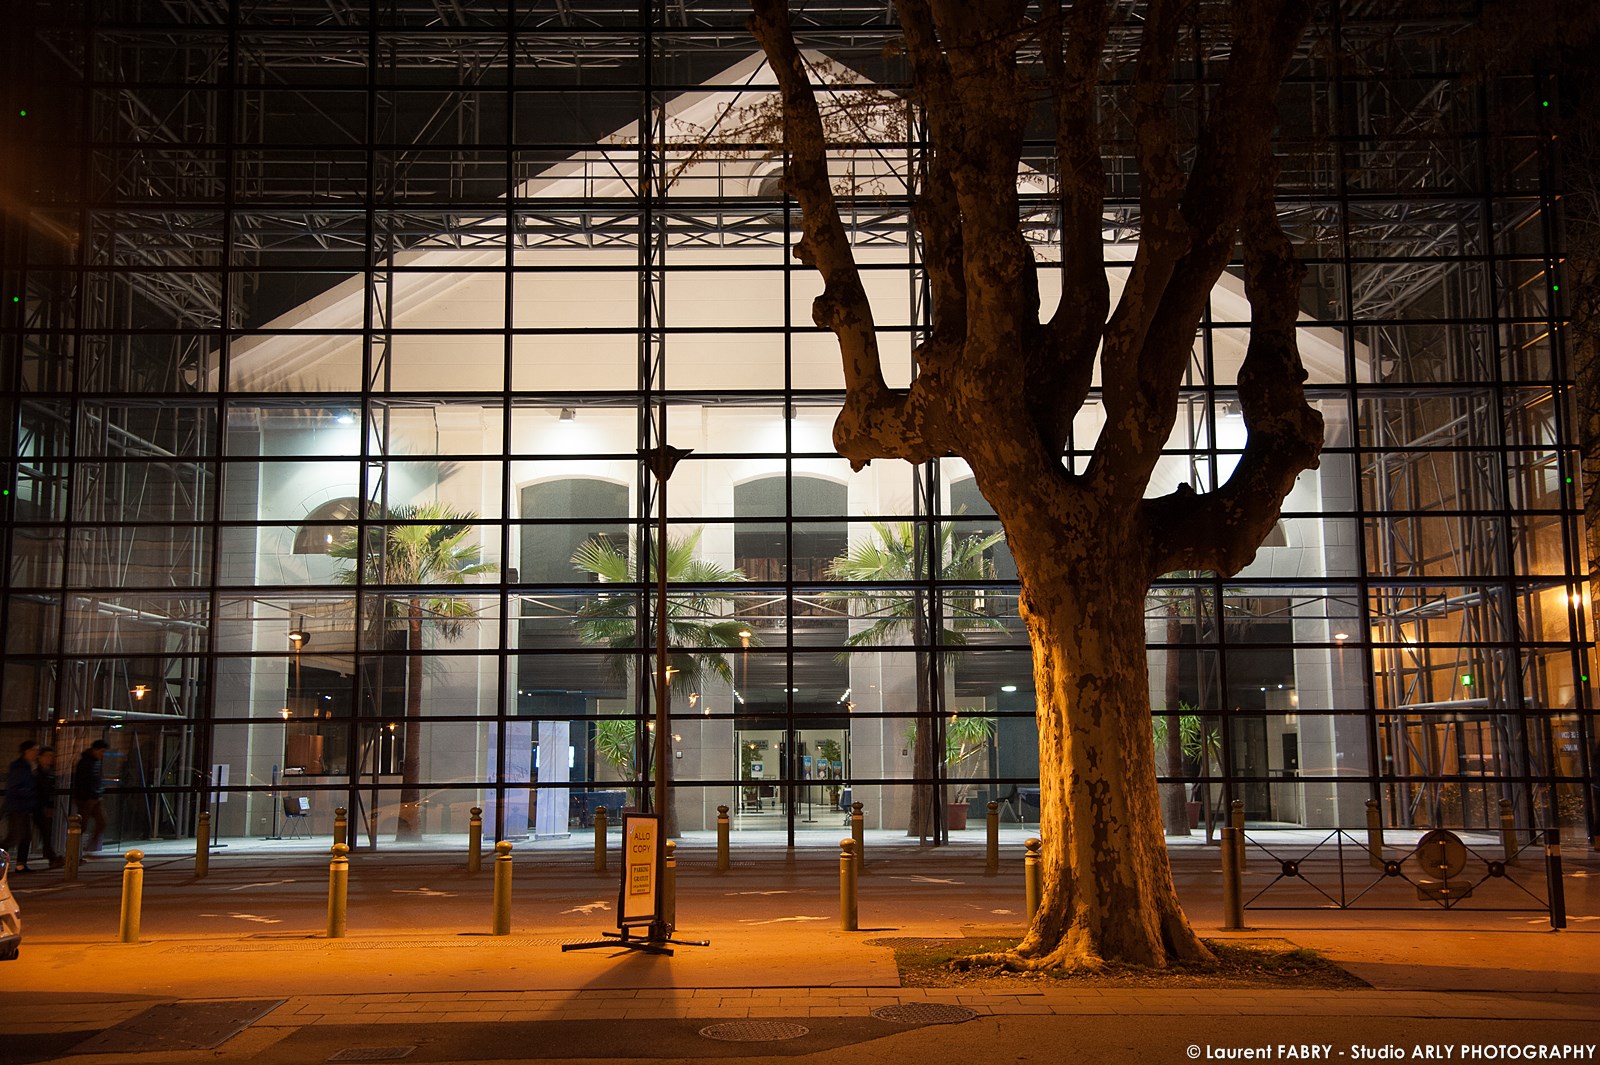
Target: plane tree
{"points": [[998, 383]]}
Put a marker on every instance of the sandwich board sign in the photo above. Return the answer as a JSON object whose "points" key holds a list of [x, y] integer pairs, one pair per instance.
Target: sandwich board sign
{"points": [[641, 869]]}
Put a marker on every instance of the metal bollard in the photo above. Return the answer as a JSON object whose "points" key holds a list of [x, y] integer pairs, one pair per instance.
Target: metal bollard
{"points": [[1374, 833], [1508, 831], [1032, 876], [991, 853], [858, 832], [338, 890], [74, 846], [722, 839], [600, 841], [202, 844], [669, 888], [849, 919], [502, 888], [1552, 875], [132, 896], [1232, 880], [475, 840], [341, 826], [1236, 820]]}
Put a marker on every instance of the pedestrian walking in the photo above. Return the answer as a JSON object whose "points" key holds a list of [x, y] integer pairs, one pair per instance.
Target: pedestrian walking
{"points": [[87, 787], [44, 816], [22, 799]]}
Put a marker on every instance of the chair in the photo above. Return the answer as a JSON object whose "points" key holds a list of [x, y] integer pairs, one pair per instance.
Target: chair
{"points": [[296, 818]]}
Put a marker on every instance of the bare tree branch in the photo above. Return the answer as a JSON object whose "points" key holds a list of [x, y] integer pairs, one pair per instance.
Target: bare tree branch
{"points": [[876, 422], [937, 214], [1235, 139], [1073, 47], [1222, 529]]}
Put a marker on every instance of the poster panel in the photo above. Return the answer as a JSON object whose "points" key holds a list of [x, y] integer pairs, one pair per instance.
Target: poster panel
{"points": [[636, 903]]}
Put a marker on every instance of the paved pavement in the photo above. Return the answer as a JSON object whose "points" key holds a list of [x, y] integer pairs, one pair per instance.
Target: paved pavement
{"points": [[235, 968]]}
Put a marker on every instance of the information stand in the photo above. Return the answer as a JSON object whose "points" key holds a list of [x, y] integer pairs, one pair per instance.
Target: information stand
{"points": [[640, 922]]}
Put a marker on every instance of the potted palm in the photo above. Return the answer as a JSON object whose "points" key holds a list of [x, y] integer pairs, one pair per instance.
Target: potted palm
{"points": [[892, 555], [418, 546], [697, 624], [967, 736]]}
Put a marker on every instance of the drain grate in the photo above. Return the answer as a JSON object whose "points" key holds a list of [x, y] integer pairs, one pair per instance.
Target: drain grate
{"points": [[754, 1031], [924, 1013], [372, 1054]]}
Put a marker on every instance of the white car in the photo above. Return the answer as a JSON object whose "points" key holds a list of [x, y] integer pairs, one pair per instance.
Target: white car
{"points": [[10, 915]]}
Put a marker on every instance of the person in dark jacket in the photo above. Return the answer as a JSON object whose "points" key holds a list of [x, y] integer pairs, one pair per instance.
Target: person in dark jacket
{"points": [[44, 817], [87, 787], [22, 799]]}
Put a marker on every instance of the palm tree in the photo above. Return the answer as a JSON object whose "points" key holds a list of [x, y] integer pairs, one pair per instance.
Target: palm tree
{"points": [[420, 545], [893, 555], [695, 625]]}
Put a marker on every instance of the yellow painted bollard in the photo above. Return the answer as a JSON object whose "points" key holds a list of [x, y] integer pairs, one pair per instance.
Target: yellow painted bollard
{"points": [[132, 896], [1508, 830], [1236, 820], [1374, 833], [338, 890], [722, 840], [74, 846], [991, 851], [202, 845], [1232, 880], [1032, 876], [858, 832], [600, 841], [502, 888], [669, 888], [849, 918], [341, 825], [475, 840]]}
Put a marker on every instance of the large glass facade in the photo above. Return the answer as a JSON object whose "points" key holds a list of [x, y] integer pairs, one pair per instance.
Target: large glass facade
{"points": [[335, 336]]}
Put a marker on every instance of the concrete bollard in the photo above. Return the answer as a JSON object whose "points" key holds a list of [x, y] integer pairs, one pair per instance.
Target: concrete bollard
{"points": [[1032, 876], [132, 896], [341, 825], [669, 888], [1508, 831], [600, 841], [991, 851], [1552, 875], [722, 839], [202, 845], [338, 890], [74, 846], [1374, 834], [858, 832], [849, 913], [1232, 880], [475, 840], [1236, 820], [502, 888]]}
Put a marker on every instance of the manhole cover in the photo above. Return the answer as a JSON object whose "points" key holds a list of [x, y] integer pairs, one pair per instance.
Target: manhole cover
{"points": [[924, 1013], [754, 1031], [372, 1054], [173, 1026]]}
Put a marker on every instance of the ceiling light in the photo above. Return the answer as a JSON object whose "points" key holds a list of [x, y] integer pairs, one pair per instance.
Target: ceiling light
{"points": [[1008, 687], [1341, 636]]}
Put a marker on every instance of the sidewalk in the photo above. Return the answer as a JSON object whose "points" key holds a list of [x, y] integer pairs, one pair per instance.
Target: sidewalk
{"points": [[418, 972]]}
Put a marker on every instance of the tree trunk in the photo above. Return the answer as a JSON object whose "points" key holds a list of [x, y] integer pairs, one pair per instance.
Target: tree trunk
{"points": [[409, 825], [1174, 797], [1107, 885]]}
